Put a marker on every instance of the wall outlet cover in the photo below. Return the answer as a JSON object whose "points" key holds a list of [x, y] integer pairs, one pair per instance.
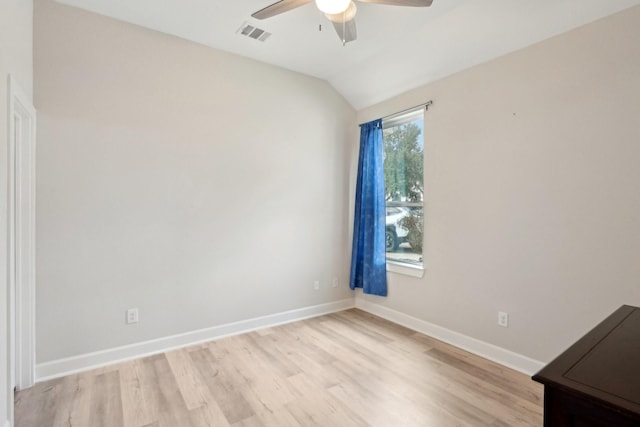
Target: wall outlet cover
{"points": [[132, 315], [503, 319]]}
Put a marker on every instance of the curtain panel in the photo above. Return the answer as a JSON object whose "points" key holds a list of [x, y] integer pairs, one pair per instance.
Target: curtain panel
{"points": [[368, 257]]}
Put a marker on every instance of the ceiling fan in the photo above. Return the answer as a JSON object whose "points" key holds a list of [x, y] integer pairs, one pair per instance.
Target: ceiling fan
{"points": [[341, 13]]}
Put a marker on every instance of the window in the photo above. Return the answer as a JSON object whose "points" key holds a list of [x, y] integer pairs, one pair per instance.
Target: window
{"points": [[403, 147]]}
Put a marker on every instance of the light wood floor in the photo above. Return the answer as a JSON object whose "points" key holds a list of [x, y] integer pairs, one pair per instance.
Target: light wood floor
{"points": [[343, 369]]}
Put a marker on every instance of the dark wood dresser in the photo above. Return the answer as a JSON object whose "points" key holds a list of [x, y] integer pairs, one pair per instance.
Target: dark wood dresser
{"points": [[596, 382]]}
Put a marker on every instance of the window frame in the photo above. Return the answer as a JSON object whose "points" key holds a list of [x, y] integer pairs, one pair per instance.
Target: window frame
{"points": [[398, 119]]}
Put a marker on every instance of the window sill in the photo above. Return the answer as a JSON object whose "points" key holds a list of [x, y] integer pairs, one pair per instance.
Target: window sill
{"points": [[405, 269]]}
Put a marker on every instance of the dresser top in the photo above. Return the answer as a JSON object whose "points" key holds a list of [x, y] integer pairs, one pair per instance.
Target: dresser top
{"points": [[603, 365]]}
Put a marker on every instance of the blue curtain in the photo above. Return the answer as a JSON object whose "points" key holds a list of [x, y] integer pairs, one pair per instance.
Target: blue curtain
{"points": [[368, 257]]}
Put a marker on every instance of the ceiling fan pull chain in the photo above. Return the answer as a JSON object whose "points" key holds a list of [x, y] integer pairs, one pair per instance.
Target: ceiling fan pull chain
{"points": [[344, 28]]}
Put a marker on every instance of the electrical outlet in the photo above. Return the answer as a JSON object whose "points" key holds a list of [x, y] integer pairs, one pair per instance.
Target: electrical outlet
{"points": [[335, 282], [503, 319], [316, 285], [132, 315]]}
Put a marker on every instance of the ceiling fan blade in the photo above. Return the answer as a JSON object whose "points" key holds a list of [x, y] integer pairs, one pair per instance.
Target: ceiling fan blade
{"points": [[279, 7], [345, 23], [413, 3], [346, 30]]}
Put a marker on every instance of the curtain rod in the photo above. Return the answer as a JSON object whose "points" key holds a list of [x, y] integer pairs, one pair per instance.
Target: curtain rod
{"points": [[425, 105]]}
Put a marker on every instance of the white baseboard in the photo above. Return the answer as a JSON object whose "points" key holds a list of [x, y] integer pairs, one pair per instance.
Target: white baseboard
{"points": [[488, 351], [83, 362]]}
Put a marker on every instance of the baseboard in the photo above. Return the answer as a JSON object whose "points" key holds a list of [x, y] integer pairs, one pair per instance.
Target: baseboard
{"points": [[70, 365], [492, 352]]}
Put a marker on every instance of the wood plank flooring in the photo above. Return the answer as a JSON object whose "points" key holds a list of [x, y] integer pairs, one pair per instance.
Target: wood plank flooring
{"points": [[344, 369]]}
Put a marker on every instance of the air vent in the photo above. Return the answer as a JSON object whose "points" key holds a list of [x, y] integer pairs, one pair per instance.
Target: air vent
{"points": [[253, 32]]}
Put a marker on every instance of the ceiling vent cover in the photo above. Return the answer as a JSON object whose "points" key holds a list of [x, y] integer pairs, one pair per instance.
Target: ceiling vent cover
{"points": [[253, 32]]}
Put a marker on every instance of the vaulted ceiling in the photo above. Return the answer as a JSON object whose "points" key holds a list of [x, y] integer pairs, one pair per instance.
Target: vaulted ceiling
{"points": [[398, 48]]}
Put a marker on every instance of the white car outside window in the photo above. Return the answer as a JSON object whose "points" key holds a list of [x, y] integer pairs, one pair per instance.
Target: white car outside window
{"points": [[395, 233]]}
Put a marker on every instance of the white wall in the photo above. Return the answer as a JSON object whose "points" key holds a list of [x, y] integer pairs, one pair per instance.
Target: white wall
{"points": [[155, 192], [533, 191], [15, 59], [200, 187]]}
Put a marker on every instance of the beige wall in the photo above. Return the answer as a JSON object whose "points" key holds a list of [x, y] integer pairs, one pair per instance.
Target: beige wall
{"points": [[201, 187], [532, 175], [16, 60], [204, 188]]}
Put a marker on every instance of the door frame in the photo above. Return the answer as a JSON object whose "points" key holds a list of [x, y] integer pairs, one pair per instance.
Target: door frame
{"points": [[21, 234]]}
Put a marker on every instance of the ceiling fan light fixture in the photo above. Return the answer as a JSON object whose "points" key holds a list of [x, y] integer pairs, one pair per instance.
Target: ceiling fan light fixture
{"points": [[345, 16], [333, 7]]}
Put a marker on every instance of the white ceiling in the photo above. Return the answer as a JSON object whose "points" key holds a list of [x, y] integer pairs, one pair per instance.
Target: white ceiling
{"points": [[398, 48]]}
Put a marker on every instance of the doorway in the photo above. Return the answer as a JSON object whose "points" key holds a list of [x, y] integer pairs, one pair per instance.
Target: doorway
{"points": [[21, 236]]}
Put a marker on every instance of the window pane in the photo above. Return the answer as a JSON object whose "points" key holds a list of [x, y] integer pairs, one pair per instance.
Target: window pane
{"points": [[404, 186]]}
